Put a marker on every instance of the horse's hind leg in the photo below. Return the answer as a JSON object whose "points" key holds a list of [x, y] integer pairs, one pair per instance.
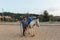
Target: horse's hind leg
{"points": [[27, 32], [32, 33]]}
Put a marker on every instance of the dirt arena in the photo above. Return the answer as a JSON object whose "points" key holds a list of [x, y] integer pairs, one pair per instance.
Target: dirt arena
{"points": [[12, 32]]}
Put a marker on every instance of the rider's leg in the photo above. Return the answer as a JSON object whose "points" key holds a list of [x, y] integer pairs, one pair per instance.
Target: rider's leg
{"points": [[24, 31]]}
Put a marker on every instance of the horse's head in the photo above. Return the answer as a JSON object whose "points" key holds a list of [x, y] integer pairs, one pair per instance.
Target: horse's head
{"points": [[37, 23]]}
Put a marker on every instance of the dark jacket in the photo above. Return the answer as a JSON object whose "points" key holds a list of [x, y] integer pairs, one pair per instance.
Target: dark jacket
{"points": [[24, 23]]}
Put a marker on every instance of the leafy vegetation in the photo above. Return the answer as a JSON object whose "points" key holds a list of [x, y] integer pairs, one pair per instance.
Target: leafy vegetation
{"points": [[13, 17]]}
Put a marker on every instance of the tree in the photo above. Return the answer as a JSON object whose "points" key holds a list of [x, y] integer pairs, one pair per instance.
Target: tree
{"points": [[41, 18], [51, 18], [45, 16]]}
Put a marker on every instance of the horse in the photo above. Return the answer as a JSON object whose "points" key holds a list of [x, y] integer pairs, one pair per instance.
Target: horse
{"points": [[30, 30]]}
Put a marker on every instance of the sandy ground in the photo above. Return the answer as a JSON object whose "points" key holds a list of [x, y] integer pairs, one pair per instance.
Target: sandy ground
{"points": [[12, 32]]}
